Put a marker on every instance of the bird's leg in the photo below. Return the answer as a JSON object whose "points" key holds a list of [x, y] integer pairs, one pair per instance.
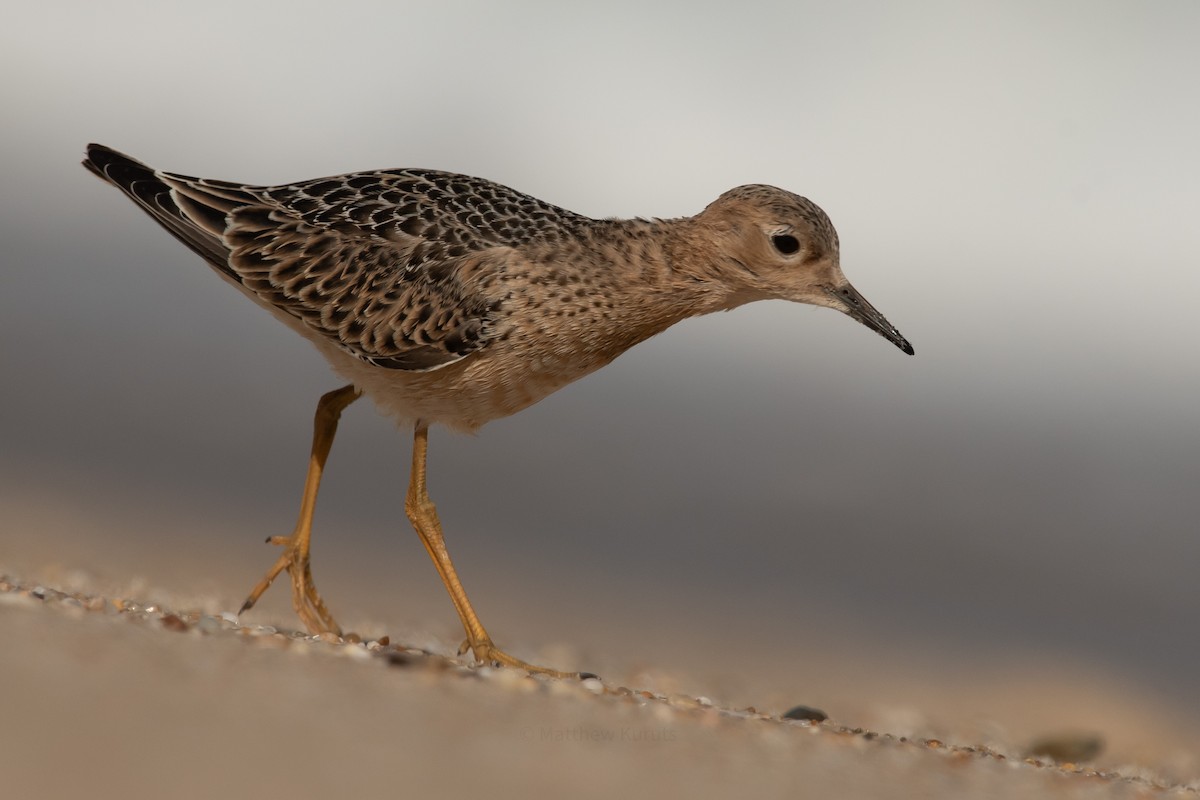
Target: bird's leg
{"points": [[305, 598], [424, 518]]}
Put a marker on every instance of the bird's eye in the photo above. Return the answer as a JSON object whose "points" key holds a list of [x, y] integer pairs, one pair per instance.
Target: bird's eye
{"points": [[785, 243]]}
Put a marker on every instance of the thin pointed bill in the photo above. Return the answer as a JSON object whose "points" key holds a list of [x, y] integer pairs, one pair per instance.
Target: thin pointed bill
{"points": [[848, 300]]}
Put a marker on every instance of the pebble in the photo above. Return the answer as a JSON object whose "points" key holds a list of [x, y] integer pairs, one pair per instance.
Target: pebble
{"points": [[806, 713], [683, 701], [1067, 747]]}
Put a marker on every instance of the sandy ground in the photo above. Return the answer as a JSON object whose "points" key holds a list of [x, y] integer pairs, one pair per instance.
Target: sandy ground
{"points": [[107, 697], [110, 696], [124, 674]]}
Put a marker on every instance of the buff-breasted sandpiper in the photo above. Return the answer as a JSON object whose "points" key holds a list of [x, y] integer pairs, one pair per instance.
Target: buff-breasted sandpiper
{"points": [[454, 300]]}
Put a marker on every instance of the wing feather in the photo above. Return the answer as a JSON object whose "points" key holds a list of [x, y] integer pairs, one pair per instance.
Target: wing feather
{"points": [[400, 268]]}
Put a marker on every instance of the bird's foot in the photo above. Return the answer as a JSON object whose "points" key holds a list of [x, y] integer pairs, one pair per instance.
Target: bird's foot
{"points": [[487, 653], [305, 597]]}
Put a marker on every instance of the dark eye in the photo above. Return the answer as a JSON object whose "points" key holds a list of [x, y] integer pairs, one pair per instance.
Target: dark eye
{"points": [[786, 244]]}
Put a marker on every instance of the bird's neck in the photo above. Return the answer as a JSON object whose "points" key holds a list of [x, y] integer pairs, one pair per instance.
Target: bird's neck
{"points": [[683, 272], [665, 277]]}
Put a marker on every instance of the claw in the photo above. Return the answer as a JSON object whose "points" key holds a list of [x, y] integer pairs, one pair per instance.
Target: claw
{"points": [[305, 597]]}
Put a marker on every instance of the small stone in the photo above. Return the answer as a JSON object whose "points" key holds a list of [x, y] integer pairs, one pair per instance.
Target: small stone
{"points": [[683, 701], [1067, 747], [806, 713], [208, 625], [173, 622], [593, 685]]}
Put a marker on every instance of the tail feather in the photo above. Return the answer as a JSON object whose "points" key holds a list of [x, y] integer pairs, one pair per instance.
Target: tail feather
{"points": [[188, 208]]}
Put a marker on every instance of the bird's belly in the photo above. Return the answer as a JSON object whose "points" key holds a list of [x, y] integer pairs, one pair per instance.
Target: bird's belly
{"points": [[466, 394]]}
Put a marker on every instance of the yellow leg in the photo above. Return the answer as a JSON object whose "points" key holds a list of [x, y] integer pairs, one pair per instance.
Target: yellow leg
{"points": [[305, 598], [423, 515]]}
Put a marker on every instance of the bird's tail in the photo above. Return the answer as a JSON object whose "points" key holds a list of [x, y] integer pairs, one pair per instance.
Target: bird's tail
{"points": [[194, 211]]}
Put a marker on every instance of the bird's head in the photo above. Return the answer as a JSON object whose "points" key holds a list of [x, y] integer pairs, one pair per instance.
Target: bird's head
{"points": [[775, 244]]}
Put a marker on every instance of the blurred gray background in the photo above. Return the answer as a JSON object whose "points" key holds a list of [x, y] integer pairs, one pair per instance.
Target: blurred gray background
{"points": [[1016, 186]]}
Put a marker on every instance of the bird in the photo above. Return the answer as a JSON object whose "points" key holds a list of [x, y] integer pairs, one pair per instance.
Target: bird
{"points": [[452, 300]]}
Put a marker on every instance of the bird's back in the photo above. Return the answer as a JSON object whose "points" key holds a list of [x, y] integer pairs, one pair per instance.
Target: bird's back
{"points": [[391, 266]]}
